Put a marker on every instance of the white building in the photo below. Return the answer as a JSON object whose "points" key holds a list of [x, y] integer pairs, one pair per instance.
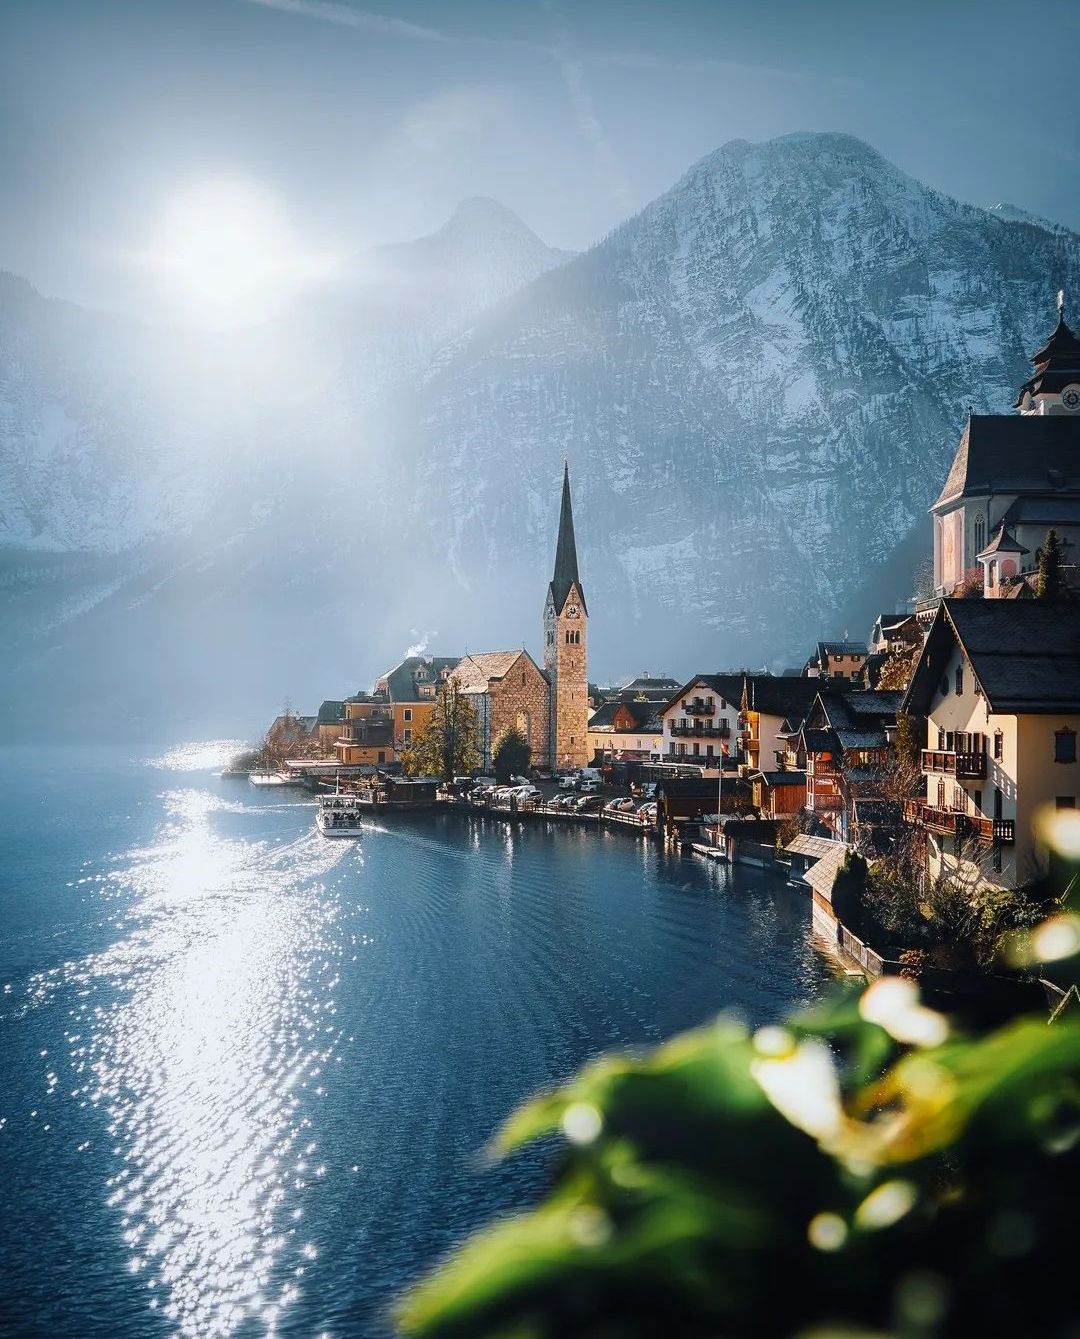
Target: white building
{"points": [[701, 720]]}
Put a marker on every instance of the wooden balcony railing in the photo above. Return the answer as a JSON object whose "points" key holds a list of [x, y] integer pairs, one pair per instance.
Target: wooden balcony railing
{"points": [[951, 763], [697, 707], [953, 823], [699, 730]]}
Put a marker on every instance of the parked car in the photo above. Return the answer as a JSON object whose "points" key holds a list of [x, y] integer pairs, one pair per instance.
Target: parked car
{"points": [[586, 804], [648, 810], [645, 790], [589, 787], [569, 782], [529, 794]]}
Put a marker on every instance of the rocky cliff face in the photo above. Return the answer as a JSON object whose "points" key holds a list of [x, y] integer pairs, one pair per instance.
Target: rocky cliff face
{"points": [[758, 381]]}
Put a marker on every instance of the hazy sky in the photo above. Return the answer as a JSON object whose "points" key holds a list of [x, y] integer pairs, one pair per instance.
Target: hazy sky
{"points": [[360, 124]]}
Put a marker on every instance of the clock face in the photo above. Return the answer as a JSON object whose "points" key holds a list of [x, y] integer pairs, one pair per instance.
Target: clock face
{"points": [[571, 611], [1070, 397]]}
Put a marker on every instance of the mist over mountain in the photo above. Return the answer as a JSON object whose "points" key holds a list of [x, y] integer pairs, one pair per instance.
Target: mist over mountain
{"points": [[758, 381]]}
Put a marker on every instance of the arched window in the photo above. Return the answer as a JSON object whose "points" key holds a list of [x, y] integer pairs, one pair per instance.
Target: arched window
{"points": [[980, 533]]}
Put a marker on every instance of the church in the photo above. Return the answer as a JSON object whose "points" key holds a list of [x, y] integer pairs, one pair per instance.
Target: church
{"points": [[549, 706], [1014, 478]]}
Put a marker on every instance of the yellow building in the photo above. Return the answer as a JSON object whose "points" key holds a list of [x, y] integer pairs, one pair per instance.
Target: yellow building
{"points": [[998, 682]]}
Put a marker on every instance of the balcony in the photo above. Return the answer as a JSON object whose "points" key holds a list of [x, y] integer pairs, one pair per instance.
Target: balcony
{"points": [[699, 730], [953, 823], [698, 707], [971, 766], [824, 802], [995, 831]]}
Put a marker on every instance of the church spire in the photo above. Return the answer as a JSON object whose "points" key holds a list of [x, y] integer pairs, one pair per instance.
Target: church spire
{"points": [[566, 568]]}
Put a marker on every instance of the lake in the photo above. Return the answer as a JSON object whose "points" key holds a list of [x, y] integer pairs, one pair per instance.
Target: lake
{"points": [[247, 1074]]}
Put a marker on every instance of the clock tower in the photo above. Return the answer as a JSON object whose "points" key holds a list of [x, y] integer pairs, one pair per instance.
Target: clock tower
{"points": [[565, 643]]}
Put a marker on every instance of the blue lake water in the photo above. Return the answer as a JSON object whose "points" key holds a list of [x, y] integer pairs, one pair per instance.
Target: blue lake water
{"points": [[247, 1074]]}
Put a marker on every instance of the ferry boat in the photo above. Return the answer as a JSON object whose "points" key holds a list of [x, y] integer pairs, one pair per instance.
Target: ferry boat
{"points": [[339, 816]]}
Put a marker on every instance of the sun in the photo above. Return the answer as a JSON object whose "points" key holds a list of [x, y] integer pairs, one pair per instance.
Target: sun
{"points": [[225, 254]]}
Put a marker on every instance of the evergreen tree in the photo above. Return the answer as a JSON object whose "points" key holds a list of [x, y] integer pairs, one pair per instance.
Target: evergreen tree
{"points": [[1049, 582], [511, 755], [449, 743]]}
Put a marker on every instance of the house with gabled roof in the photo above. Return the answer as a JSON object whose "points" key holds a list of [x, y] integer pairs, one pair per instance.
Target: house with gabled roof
{"points": [[847, 739], [999, 685], [700, 721], [629, 728], [771, 706], [836, 660]]}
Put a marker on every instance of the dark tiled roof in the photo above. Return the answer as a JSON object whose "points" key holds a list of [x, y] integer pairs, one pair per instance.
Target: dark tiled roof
{"points": [[727, 686], [401, 681], [331, 712], [1015, 453], [1049, 510], [840, 649], [1004, 541], [659, 688], [861, 739], [819, 741], [1024, 653], [791, 778], [777, 695], [642, 713]]}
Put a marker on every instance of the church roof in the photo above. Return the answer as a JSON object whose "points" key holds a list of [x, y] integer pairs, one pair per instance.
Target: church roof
{"points": [[566, 565], [1057, 363], [1015, 453], [474, 672]]}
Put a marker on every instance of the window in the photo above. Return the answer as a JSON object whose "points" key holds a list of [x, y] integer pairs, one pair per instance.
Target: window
{"points": [[980, 533], [407, 714], [408, 736], [999, 746], [382, 756], [1064, 801], [959, 680], [1065, 745]]}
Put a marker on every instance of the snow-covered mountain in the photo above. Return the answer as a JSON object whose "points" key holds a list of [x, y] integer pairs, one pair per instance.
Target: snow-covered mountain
{"points": [[759, 381]]}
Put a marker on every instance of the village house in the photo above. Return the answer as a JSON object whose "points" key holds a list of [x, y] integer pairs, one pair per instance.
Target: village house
{"points": [[772, 706], [700, 721], [508, 690], [836, 660], [378, 726], [999, 684], [328, 723], [627, 729], [893, 634], [1014, 477], [778, 794], [847, 739]]}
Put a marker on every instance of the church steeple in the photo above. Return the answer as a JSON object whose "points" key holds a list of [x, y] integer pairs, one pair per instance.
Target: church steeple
{"points": [[566, 623], [1055, 386], [566, 568]]}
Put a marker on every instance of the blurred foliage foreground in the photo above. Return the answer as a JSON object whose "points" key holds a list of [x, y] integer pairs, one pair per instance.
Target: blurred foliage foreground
{"points": [[859, 1171]]}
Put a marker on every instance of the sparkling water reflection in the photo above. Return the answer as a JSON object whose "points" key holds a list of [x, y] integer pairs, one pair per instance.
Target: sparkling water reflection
{"points": [[262, 1065]]}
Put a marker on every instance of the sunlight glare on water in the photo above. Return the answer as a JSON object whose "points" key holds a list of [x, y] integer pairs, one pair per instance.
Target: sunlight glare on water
{"points": [[199, 1061]]}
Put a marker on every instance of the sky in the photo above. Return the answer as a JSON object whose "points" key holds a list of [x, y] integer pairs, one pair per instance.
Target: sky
{"points": [[335, 126]]}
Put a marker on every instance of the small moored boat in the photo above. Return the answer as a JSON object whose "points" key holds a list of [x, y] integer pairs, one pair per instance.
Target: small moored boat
{"points": [[339, 816]]}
